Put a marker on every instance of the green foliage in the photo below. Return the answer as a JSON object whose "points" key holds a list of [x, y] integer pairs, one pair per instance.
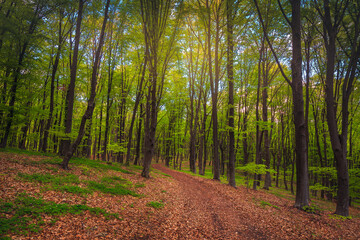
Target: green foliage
{"points": [[139, 185], [136, 167], [264, 204], [155, 204], [339, 217], [312, 209], [74, 189], [27, 152], [99, 165], [112, 179], [354, 183], [331, 173], [319, 187], [118, 189], [254, 168], [325, 171], [25, 214], [48, 178]]}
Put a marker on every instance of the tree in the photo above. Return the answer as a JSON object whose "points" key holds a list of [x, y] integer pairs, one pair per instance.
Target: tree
{"points": [[332, 18], [154, 16], [302, 181], [70, 94], [230, 65], [91, 102], [38, 10]]}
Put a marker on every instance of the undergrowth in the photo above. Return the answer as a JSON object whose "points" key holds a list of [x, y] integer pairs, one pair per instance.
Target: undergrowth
{"points": [[117, 189], [25, 213], [155, 204]]}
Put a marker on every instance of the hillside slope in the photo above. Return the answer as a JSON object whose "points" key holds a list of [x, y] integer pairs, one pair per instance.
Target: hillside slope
{"points": [[95, 200]]}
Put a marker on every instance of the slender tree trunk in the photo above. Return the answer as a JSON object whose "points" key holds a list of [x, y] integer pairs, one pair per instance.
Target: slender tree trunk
{"points": [[302, 181], [230, 72], [137, 102], [70, 95], [138, 138], [91, 102]]}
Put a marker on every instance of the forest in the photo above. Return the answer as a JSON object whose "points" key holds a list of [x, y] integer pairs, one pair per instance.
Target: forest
{"points": [[258, 93]]}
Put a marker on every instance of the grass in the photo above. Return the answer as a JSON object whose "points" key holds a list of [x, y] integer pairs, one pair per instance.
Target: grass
{"points": [[74, 189], [25, 213], [113, 179], [48, 178], [139, 185], [117, 189], [155, 204], [160, 172], [21, 151], [65, 183], [99, 165], [264, 204]]}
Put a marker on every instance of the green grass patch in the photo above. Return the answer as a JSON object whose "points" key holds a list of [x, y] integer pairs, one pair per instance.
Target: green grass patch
{"points": [[21, 151], [52, 161], [99, 165], [339, 217], [117, 189], [48, 178], [264, 204], [74, 189], [25, 213], [113, 179], [155, 204], [139, 185], [136, 167]]}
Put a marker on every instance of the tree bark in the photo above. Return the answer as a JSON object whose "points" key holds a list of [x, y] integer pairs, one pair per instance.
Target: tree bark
{"points": [[230, 72], [70, 95], [91, 102]]}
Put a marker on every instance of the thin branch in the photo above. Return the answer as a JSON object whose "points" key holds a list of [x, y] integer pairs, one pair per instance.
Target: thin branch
{"points": [[270, 45]]}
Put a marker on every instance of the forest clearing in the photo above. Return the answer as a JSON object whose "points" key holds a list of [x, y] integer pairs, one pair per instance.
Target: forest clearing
{"points": [[169, 205]]}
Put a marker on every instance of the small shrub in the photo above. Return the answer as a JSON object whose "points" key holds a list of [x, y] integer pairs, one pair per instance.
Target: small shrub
{"points": [[312, 209]]}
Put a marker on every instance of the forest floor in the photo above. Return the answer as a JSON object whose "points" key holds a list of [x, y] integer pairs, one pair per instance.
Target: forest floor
{"points": [[39, 200]]}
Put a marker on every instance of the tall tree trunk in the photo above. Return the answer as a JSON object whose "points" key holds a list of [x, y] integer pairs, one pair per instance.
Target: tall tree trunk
{"points": [[139, 95], [138, 138], [70, 95], [214, 88], [302, 181], [154, 16], [338, 147], [91, 102], [230, 73]]}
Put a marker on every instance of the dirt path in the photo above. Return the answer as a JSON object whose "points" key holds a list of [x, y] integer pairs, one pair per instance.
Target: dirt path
{"points": [[212, 210], [209, 212]]}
